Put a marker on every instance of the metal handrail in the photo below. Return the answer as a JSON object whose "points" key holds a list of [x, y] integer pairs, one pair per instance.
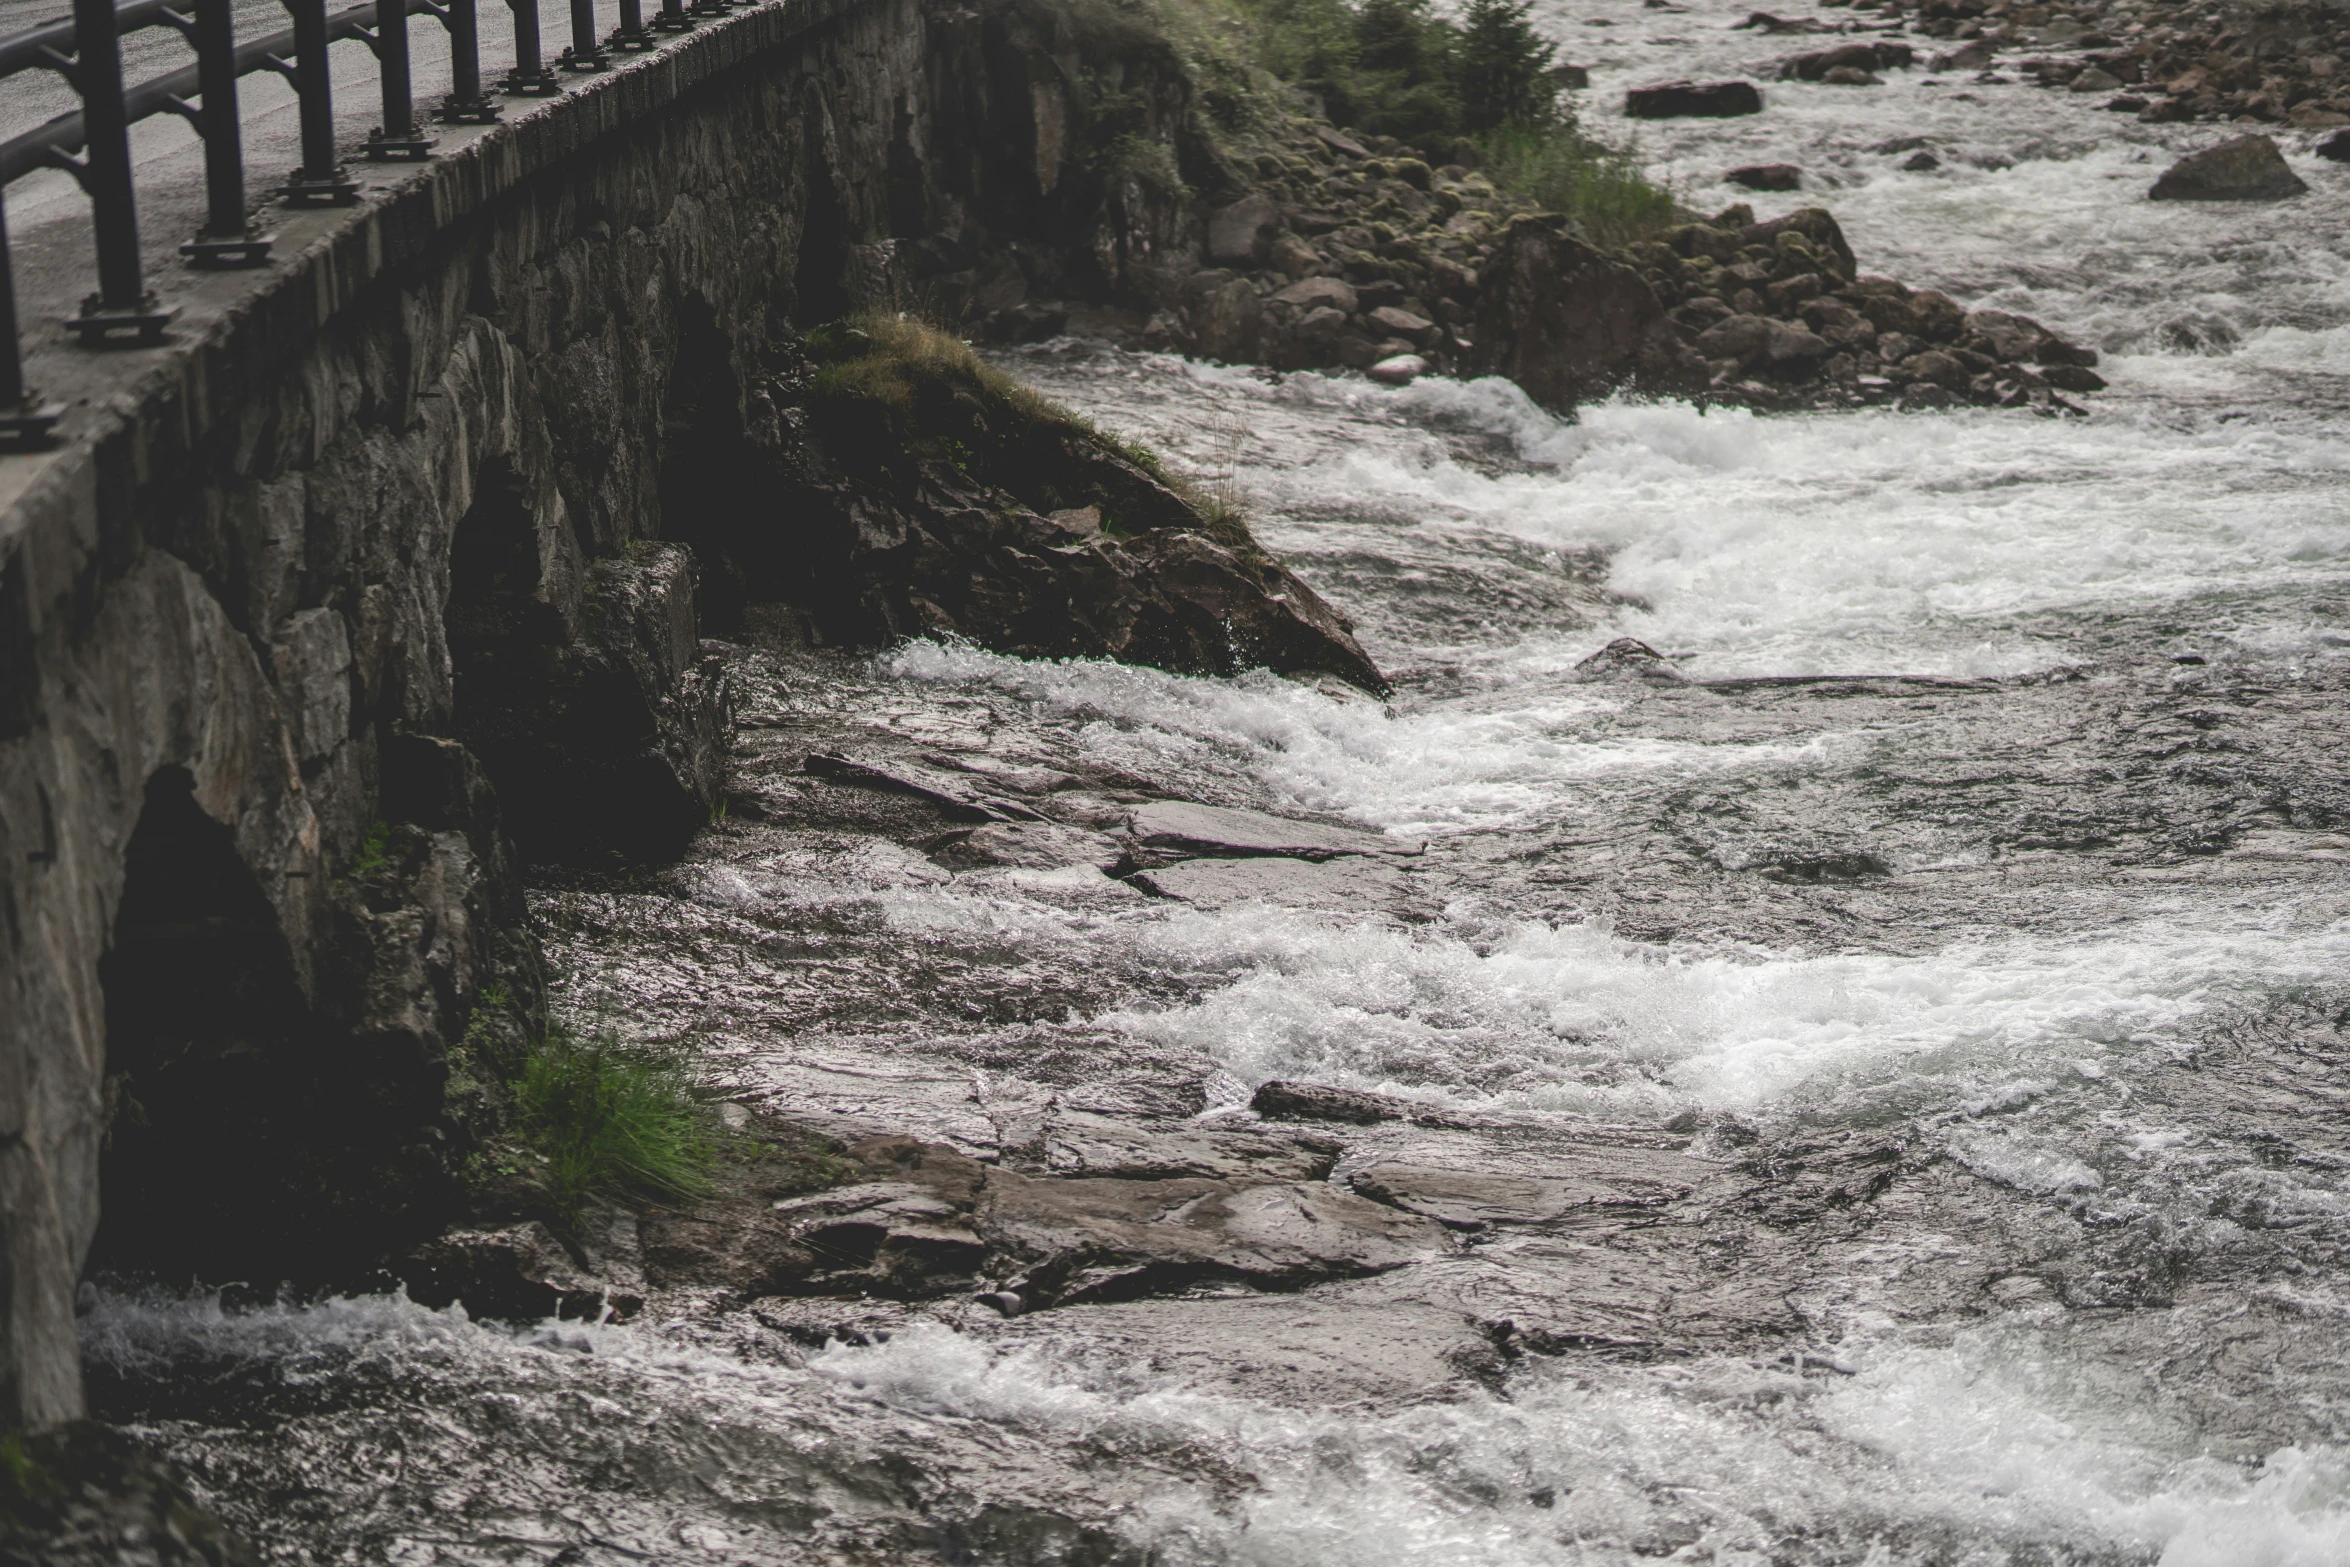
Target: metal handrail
{"points": [[92, 143]]}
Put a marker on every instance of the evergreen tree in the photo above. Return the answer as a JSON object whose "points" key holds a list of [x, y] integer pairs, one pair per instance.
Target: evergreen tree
{"points": [[1504, 67]]}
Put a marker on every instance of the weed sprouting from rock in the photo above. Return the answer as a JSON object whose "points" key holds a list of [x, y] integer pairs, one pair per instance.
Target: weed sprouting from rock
{"points": [[611, 1119]]}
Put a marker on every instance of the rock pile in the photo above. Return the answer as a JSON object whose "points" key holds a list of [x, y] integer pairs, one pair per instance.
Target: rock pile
{"points": [[1779, 316], [2279, 64], [1360, 254]]}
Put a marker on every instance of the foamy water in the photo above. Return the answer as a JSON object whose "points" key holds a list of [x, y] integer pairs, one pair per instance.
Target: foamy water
{"points": [[1486, 547]]}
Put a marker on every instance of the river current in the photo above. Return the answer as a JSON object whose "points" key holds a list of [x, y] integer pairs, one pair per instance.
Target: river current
{"points": [[2060, 889]]}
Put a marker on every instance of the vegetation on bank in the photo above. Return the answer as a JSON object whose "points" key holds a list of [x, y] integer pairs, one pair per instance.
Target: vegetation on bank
{"points": [[1481, 87], [888, 387], [578, 1117]]}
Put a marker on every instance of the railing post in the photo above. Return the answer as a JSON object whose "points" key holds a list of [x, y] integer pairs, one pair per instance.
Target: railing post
{"points": [[227, 238], [631, 35], [320, 181], [25, 421], [672, 18], [397, 138], [530, 77], [122, 303], [584, 53], [466, 103]]}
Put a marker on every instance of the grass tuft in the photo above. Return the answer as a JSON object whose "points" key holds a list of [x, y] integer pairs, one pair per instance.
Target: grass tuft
{"points": [[611, 1120], [1560, 169]]}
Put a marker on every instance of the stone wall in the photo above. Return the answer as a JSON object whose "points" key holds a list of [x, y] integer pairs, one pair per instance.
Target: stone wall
{"points": [[348, 596]]}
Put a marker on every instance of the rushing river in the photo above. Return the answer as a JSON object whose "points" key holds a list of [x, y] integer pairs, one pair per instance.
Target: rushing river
{"points": [[2068, 905]]}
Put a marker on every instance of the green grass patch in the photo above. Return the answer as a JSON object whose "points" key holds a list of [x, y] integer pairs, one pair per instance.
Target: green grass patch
{"points": [[612, 1120], [1557, 168], [373, 852]]}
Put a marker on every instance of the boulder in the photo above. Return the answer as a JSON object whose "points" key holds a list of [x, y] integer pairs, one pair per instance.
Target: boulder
{"points": [[1402, 370], [1576, 1181], [2096, 80], [1086, 1240], [1692, 100], [1851, 76], [1569, 323], [2335, 148], [1920, 162], [1629, 658], [1353, 884], [519, 1273], [1417, 330], [1814, 67], [2247, 168], [1319, 293], [1767, 176], [958, 797], [1819, 229], [1793, 353], [1242, 234], [1285, 1101], [1974, 56], [1226, 322], [1175, 829]]}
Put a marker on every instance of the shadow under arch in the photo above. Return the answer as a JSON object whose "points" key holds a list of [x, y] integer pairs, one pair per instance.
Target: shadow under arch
{"points": [[248, 1137], [202, 1008]]}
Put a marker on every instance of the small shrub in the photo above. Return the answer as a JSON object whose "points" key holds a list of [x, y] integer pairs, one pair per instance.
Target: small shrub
{"points": [[1559, 169], [373, 852], [611, 1120]]}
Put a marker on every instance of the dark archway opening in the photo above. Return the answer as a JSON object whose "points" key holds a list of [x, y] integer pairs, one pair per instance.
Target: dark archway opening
{"points": [[507, 656], [204, 1024], [820, 286], [719, 496]]}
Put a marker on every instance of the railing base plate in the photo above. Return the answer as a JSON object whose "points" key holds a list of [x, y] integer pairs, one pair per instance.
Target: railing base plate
{"points": [[456, 111], [573, 60], [250, 250], [30, 426], [398, 149], [632, 43], [328, 190], [541, 83], [99, 327], [665, 23]]}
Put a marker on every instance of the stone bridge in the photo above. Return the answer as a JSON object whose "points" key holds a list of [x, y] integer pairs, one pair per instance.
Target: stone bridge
{"points": [[332, 608]]}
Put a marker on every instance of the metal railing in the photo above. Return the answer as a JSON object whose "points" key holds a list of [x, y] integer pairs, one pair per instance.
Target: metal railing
{"points": [[92, 144]]}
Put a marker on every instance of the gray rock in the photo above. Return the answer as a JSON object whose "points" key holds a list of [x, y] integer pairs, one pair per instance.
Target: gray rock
{"points": [[1315, 1102], [1087, 1240], [1628, 658], [1025, 845], [518, 1273], [1239, 235], [958, 797], [2095, 80], [1569, 323], [1350, 883], [1767, 176], [1562, 1185], [1315, 293], [1401, 370], [1181, 827], [2247, 168], [1692, 100]]}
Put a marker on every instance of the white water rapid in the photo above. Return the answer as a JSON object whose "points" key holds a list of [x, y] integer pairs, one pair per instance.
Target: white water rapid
{"points": [[2071, 913]]}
